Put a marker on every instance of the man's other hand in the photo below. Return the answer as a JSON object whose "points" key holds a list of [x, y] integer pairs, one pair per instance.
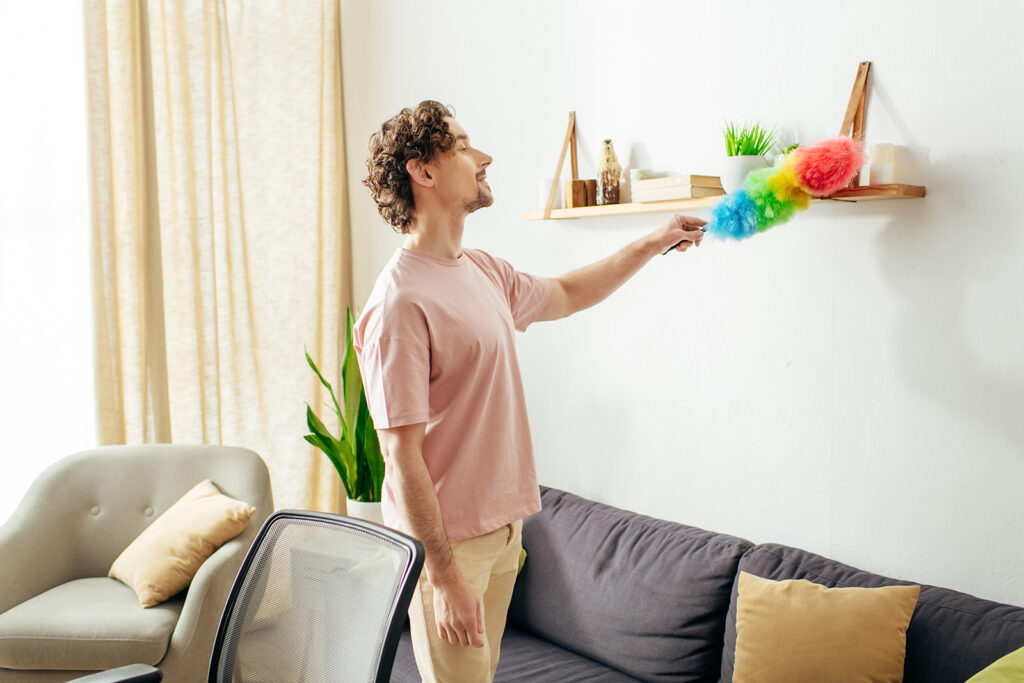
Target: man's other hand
{"points": [[458, 611]]}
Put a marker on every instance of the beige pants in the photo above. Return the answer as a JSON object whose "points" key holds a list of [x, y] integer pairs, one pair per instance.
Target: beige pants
{"points": [[489, 563]]}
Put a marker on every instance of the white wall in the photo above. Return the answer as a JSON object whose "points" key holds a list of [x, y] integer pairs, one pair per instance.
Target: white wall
{"points": [[851, 382], [47, 406]]}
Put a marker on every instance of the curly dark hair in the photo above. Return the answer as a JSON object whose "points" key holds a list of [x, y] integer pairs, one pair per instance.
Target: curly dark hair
{"points": [[418, 133]]}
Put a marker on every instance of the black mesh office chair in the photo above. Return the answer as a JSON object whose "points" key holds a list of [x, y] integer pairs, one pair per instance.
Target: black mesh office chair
{"points": [[319, 597]]}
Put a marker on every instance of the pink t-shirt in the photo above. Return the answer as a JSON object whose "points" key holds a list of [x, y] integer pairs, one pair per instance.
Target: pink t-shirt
{"points": [[436, 344]]}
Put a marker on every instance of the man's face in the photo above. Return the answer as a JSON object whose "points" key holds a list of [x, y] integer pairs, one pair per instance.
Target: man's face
{"points": [[461, 172]]}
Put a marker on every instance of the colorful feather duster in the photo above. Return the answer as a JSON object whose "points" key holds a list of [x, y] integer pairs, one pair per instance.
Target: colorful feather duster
{"points": [[771, 196]]}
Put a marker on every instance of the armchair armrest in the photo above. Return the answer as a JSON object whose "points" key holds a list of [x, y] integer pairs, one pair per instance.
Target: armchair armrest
{"points": [[204, 603], [35, 551], [133, 673]]}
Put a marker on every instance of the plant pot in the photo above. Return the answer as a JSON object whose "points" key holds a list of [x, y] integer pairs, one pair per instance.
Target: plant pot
{"points": [[367, 511], [735, 170]]}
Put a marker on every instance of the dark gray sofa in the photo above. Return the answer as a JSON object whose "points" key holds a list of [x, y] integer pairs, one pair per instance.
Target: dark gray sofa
{"points": [[608, 595]]}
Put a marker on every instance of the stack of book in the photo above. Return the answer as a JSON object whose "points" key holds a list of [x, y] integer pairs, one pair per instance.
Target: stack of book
{"points": [[676, 187]]}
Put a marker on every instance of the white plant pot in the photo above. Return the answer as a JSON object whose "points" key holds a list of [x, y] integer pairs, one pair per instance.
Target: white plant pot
{"points": [[367, 511], [735, 170]]}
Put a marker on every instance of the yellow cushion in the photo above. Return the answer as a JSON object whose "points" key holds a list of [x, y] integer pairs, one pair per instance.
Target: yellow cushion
{"points": [[168, 553], [1008, 669], [795, 631]]}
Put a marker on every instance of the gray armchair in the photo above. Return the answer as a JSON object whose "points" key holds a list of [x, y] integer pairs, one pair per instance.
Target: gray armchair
{"points": [[61, 617]]}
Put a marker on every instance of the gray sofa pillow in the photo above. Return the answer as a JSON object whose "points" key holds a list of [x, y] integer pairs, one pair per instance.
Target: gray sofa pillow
{"points": [[645, 596], [951, 637]]}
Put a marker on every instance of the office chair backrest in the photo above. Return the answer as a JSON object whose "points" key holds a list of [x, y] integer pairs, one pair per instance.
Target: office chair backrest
{"points": [[320, 597]]}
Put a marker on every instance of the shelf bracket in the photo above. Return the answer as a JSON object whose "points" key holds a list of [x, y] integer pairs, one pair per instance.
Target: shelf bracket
{"points": [[570, 138], [853, 121]]}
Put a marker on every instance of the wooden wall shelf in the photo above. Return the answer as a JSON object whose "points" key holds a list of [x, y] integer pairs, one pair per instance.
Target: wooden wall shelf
{"points": [[862, 193]]}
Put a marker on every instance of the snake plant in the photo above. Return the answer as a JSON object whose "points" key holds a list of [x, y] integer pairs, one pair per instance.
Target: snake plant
{"points": [[356, 454]]}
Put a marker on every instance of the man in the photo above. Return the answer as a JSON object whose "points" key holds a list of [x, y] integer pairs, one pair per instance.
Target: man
{"points": [[436, 345]]}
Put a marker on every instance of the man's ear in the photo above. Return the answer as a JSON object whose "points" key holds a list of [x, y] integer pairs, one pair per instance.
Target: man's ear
{"points": [[418, 172]]}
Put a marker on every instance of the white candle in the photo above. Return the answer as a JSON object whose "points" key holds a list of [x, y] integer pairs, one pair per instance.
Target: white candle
{"points": [[882, 169]]}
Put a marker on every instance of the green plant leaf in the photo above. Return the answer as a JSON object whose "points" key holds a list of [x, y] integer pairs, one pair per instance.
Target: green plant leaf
{"points": [[317, 441], [748, 140], [366, 483], [332, 448], [316, 425], [330, 389], [731, 142], [351, 380], [348, 459], [371, 450]]}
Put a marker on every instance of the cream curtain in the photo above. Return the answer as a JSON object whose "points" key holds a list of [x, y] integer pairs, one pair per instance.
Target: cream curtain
{"points": [[220, 235]]}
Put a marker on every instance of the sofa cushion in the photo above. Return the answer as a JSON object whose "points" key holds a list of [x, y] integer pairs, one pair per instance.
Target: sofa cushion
{"points": [[523, 658], [644, 596], [797, 630], [86, 624], [951, 635]]}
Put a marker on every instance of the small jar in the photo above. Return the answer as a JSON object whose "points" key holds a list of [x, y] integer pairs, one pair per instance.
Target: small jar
{"points": [[608, 172]]}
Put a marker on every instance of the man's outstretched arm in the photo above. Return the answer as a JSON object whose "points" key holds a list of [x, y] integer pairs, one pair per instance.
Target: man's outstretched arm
{"points": [[582, 288], [457, 609]]}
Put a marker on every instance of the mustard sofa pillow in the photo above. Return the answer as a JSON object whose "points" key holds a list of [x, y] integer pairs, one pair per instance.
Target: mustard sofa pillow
{"points": [[165, 557], [794, 631], [1008, 669]]}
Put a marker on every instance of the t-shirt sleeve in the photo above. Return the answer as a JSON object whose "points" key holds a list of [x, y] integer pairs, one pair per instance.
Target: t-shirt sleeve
{"points": [[394, 358], [528, 295]]}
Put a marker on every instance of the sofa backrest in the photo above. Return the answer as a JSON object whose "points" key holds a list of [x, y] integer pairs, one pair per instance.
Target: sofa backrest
{"points": [[951, 636], [645, 596]]}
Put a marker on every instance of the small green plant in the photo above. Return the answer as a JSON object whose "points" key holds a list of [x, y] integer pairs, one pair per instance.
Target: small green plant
{"points": [[789, 149], [747, 141], [356, 455]]}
